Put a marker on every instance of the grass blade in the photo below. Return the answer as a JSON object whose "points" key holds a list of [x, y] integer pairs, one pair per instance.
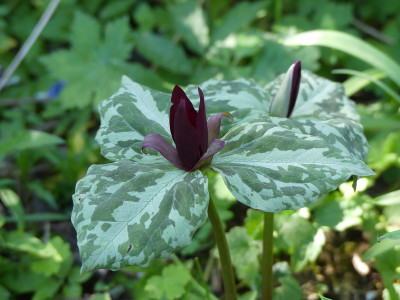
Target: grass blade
{"points": [[351, 45], [379, 83]]}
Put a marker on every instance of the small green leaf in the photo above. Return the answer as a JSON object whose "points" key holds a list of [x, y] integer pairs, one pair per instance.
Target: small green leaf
{"points": [[289, 289], [394, 235], [4, 293], [163, 52], [47, 289], [190, 22], [244, 252], [101, 296], [57, 262], [303, 240], [83, 42], [30, 139], [323, 298], [72, 291], [26, 242], [12, 201], [275, 59], [98, 58], [240, 16], [380, 247], [171, 284], [251, 295], [114, 9], [392, 198], [128, 213]]}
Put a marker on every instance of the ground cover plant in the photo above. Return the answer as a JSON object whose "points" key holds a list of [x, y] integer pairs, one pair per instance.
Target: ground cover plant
{"points": [[126, 57]]}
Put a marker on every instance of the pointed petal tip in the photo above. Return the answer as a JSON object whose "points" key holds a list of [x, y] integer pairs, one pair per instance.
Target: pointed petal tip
{"points": [[214, 125], [229, 116]]}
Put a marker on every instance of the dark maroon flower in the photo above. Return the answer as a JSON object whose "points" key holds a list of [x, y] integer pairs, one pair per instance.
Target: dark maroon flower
{"points": [[196, 139], [285, 99]]}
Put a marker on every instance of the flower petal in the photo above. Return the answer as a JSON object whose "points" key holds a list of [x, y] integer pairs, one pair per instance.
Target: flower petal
{"points": [[214, 125], [178, 95], [214, 147], [158, 143], [296, 77], [186, 138], [201, 124]]}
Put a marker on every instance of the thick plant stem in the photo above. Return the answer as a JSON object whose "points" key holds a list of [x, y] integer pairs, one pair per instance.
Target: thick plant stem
{"points": [[268, 246], [223, 249]]}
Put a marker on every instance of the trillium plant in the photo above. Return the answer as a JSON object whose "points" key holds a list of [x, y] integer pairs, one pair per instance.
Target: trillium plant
{"points": [[291, 142]]}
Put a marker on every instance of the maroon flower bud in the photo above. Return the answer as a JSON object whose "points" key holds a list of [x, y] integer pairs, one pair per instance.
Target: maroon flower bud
{"points": [[285, 99], [195, 138]]}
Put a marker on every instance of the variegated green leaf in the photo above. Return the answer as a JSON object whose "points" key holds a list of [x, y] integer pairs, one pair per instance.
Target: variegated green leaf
{"points": [[130, 213], [128, 116], [135, 110], [344, 134], [273, 168]]}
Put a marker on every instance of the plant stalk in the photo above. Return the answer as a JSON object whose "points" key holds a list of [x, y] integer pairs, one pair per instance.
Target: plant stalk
{"points": [[37, 30], [223, 249], [267, 256]]}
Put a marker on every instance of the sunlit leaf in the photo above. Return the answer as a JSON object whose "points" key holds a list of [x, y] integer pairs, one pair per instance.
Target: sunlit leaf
{"points": [[190, 22], [30, 139], [12, 201]]}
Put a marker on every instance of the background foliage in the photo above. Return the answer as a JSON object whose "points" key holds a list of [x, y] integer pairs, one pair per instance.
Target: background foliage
{"points": [[49, 119]]}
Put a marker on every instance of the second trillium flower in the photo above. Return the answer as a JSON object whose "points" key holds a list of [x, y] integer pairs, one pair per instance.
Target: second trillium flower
{"points": [[196, 139]]}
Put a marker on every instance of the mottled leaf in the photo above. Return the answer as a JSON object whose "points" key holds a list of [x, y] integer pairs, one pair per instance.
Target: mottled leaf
{"points": [[242, 97], [273, 168], [128, 213], [128, 116], [344, 134]]}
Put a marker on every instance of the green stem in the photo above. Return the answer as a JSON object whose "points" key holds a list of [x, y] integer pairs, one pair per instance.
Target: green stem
{"points": [[223, 249], [268, 246], [51, 7]]}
